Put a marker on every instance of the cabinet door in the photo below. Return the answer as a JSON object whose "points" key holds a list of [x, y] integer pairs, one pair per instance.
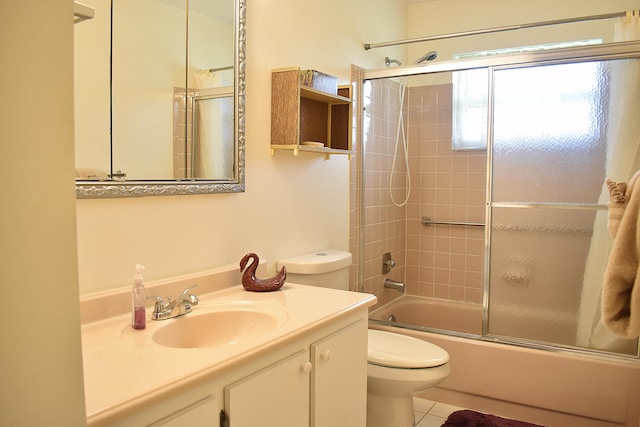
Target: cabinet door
{"points": [[339, 379], [276, 396], [201, 414]]}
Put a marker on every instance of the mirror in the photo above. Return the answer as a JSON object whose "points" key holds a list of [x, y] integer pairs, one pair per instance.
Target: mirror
{"points": [[159, 98]]}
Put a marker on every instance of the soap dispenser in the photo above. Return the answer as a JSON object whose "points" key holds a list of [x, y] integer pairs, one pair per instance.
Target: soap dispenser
{"points": [[139, 314]]}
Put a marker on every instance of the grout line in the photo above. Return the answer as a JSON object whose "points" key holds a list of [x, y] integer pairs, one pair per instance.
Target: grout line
{"points": [[442, 410]]}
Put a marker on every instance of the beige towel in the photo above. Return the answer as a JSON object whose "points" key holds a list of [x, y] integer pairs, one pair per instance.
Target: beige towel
{"points": [[620, 297]]}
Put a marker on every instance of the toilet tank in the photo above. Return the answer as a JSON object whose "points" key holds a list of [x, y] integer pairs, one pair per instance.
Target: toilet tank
{"points": [[328, 269]]}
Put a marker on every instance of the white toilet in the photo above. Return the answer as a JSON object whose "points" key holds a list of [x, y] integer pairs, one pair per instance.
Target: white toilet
{"points": [[398, 366]]}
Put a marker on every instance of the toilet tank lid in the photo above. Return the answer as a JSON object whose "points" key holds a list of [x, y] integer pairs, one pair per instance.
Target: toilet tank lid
{"points": [[319, 262]]}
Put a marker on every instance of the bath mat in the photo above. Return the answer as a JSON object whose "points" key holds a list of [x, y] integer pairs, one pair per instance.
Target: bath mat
{"points": [[466, 418]]}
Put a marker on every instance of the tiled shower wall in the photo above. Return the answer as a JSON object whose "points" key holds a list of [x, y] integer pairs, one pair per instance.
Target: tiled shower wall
{"points": [[182, 133], [384, 225], [440, 261], [443, 261]]}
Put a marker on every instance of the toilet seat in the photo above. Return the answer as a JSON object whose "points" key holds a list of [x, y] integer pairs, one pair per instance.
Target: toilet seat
{"points": [[400, 351]]}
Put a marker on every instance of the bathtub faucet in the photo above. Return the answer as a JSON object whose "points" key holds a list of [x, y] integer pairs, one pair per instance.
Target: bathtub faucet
{"points": [[394, 284]]}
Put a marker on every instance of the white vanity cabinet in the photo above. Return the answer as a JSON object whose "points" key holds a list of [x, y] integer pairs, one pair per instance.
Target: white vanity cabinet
{"points": [[309, 371], [339, 378], [201, 413], [275, 396], [323, 387]]}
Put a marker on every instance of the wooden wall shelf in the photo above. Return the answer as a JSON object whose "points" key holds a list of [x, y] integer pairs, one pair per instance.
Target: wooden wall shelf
{"points": [[309, 120]]}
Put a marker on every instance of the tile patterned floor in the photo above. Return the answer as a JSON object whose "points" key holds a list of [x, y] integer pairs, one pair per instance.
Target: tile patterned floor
{"points": [[431, 414]]}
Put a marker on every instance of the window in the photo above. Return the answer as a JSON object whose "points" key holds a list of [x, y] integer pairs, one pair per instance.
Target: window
{"points": [[565, 98]]}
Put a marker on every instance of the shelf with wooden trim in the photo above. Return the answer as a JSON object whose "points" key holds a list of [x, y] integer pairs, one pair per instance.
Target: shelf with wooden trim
{"points": [[297, 148], [304, 119]]}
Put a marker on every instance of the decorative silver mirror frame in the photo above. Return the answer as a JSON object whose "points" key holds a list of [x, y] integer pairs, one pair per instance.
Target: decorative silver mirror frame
{"points": [[116, 189]]}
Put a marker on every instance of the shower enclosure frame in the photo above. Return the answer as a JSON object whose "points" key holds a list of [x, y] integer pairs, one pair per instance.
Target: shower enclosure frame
{"points": [[609, 51]]}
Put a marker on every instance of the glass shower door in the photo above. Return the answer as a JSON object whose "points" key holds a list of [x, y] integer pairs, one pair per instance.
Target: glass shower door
{"points": [[552, 139]]}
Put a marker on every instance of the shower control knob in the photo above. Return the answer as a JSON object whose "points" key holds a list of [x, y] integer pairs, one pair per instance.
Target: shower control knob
{"points": [[326, 355], [387, 263], [306, 368]]}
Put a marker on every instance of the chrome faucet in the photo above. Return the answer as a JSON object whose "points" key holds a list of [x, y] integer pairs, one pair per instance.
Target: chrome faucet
{"points": [[183, 304]]}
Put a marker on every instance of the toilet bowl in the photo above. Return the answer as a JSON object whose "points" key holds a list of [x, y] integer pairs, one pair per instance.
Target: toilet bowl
{"points": [[399, 366]]}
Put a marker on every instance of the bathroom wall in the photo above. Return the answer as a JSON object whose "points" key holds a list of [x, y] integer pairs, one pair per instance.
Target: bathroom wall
{"points": [[292, 205], [41, 369]]}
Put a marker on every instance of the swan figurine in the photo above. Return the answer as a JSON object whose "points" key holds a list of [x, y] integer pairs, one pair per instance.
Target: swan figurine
{"points": [[252, 283]]}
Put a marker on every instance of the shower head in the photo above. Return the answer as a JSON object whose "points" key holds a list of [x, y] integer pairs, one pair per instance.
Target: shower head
{"points": [[429, 56], [388, 61]]}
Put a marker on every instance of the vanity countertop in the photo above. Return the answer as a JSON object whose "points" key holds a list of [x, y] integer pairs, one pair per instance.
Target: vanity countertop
{"points": [[123, 365]]}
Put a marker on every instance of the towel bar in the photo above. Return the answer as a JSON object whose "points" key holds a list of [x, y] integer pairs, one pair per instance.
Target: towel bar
{"points": [[426, 220]]}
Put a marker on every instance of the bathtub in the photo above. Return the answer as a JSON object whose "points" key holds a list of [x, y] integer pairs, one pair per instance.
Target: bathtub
{"points": [[553, 388], [432, 314]]}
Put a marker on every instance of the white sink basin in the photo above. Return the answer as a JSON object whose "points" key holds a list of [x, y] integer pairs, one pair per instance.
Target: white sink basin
{"points": [[220, 325]]}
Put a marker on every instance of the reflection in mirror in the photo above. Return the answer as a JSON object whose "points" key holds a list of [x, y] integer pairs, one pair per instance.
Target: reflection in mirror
{"points": [[159, 98], [212, 143]]}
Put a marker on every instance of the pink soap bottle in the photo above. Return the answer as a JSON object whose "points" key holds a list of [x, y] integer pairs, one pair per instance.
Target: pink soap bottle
{"points": [[139, 314]]}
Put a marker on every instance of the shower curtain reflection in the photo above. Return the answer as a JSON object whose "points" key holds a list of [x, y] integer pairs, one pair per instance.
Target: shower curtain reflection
{"points": [[212, 118], [213, 138]]}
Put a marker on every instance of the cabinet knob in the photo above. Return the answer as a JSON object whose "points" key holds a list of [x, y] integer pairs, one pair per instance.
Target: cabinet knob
{"points": [[306, 368], [326, 355]]}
